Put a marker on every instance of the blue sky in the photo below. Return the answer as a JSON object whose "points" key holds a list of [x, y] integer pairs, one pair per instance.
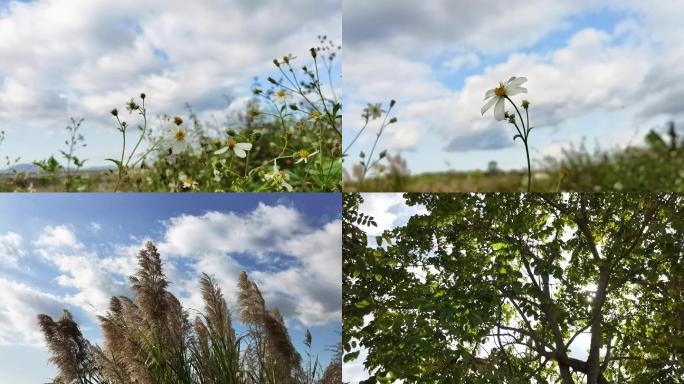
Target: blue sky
{"points": [[81, 58], [74, 251], [603, 72]]}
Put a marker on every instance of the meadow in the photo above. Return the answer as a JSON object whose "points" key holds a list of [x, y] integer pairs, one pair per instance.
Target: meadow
{"points": [[656, 165], [151, 339], [287, 138]]}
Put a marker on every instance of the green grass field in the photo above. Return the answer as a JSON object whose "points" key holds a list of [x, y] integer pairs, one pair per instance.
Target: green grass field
{"points": [[656, 166]]}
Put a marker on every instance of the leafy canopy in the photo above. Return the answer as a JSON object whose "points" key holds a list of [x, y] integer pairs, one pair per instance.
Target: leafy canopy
{"points": [[498, 288]]}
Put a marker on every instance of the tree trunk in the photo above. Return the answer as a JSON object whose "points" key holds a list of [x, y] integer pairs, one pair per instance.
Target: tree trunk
{"points": [[593, 366]]}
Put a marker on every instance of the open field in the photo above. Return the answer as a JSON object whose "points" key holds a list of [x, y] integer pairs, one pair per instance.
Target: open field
{"points": [[657, 166]]}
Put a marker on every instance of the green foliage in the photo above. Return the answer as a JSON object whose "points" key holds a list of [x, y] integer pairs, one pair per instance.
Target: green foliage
{"points": [[288, 138], [495, 288]]}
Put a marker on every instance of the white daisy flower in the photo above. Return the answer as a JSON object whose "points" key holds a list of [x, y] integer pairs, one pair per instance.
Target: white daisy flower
{"points": [[281, 96], [304, 156], [187, 182], [240, 149], [499, 94], [176, 140], [278, 178]]}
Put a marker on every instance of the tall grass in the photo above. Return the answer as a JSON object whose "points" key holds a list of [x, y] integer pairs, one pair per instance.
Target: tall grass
{"points": [[150, 339]]}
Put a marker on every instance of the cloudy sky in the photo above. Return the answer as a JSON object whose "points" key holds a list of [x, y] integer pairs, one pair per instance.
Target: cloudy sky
{"points": [[66, 251], [81, 58], [603, 70]]}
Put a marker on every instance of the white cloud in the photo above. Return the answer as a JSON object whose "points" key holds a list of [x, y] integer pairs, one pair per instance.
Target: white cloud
{"points": [[19, 308], [464, 60], [389, 211], [80, 270], [84, 57], [95, 227], [264, 230], [297, 266], [11, 249], [578, 66], [57, 238]]}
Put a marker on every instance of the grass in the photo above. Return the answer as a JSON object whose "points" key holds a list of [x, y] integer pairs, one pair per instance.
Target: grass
{"points": [[656, 166], [150, 339]]}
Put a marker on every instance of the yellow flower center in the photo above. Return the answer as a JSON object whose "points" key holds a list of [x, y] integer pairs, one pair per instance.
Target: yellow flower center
{"points": [[281, 93], [216, 142], [303, 153], [231, 143], [188, 181], [180, 135], [315, 115], [500, 90]]}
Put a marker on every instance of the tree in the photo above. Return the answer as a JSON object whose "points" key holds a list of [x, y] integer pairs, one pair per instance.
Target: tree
{"points": [[501, 287]]}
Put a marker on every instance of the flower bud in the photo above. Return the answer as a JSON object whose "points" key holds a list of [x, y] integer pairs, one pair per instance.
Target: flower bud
{"points": [[525, 104], [178, 120], [272, 80], [393, 120], [294, 107], [115, 112], [231, 132], [257, 135], [313, 52], [143, 96], [276, 63], [392, 103]]}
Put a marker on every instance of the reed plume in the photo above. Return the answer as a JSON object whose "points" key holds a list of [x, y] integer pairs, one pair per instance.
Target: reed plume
{"points": [[149, 340], [69, 350]]}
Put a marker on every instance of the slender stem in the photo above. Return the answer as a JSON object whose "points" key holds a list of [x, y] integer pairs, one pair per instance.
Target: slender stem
{"points": [[355, 138], [377, 138], [143, 112], [529, 169], [524, 138]]}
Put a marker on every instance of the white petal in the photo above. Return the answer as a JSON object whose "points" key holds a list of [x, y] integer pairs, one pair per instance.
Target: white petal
{"points": [[300, 160], [287, 186], [244, 146], [490, 93], [517, 81], [239, 152], [499, 109], [221, 151], [489, 104], [515, 90]]}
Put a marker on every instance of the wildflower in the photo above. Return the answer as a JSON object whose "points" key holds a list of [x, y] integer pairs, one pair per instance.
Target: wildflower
{"points": [[176, 140], [304, 156], [115, 112], [253, 112], [301, 126], [240, 149], [564, 173], [373, 111], [216, 143], [281, 96], [187, 182], [499, 94], [132, 106], [314, 116], [288, 58], [178, 120], [278, 178]]}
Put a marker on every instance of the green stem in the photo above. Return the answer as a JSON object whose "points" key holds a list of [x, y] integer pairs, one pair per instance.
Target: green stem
{"points": [[529, 169]]}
